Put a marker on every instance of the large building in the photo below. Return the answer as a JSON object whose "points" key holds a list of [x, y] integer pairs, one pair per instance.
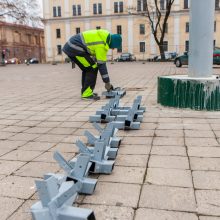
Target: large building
{"points": [[63, 18], [21, 41]]}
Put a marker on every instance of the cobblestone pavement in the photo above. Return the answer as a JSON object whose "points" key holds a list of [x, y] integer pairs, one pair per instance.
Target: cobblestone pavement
{"points": [[168, 170]]}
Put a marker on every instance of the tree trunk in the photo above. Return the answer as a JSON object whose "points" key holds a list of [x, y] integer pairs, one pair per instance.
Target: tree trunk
{"points": [[162, 53]]}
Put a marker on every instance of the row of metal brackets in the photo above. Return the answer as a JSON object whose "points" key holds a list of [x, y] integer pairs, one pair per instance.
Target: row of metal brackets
{"points": [[58, 192], [124, 118]]}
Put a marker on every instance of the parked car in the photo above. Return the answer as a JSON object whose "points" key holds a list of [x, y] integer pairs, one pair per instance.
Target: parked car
{"points": [[183, 59], [32, 61], [13, 61], [168, 56], [126, 57]]}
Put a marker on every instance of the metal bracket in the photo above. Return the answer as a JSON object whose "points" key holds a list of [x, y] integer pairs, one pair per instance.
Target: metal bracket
{"points": [[78, 171], [116, 92], [99, 158], [56, 200], [108, 135]]}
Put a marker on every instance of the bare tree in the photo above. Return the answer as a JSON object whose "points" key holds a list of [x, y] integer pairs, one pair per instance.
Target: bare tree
{"points": [[22, 11], [157, 13]]}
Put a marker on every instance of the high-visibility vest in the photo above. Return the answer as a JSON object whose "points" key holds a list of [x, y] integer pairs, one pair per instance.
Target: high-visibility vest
{"points": [[96, 43]]}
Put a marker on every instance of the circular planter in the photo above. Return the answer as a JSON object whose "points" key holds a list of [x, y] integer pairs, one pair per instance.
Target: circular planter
{"points": [[181, 91]]}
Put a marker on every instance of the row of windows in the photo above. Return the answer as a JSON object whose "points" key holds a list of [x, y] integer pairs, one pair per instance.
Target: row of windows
{"points": [[97, 9], [187, 27]]}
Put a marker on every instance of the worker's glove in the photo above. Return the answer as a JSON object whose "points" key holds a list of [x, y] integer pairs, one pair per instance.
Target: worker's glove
{"points": [[109, 86]]}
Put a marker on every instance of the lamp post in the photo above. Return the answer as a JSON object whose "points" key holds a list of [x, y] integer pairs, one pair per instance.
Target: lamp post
{"points": [[200, 89]]}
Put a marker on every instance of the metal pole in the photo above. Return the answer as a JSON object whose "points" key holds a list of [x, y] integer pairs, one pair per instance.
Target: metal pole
{"points": [[201, 38]]}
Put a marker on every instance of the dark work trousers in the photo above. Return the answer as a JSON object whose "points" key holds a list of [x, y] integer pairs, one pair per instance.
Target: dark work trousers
{"points": [[89, 74]]}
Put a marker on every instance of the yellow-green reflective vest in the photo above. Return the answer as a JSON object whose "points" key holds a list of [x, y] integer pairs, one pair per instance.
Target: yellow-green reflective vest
{"points": [[96, 43]]}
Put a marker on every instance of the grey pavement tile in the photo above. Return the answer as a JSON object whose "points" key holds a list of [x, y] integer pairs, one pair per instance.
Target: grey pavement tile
{"points": [[170, 141], [170, 126], [24, 137], [208, 202], [37, 146], [132, 160], [54, 138], [206, 180], [11, 144], [37, 169], [37, 130], [139, 133], [204, 127], [169, 150], [134, 149], [4, 151], [2, 177], [199, 134], [148, 126], [27, 123], [169, 133], [137, 141], [169, 177], [170, 120], [215, 127], [154, 214], [73, 138], [66, 131], [72, 124], [208, 218], [8, 206], [207, 164], [124, 175], [172, 162], [168, 198], [6, 135], [204, 152], [65, 147], [49, 124], [103, 212], [48, 157], [195, 121], [8, 167], [15, 129], [8, 122], [20, 155], [201, 142], [17, 187], [115, 194]]}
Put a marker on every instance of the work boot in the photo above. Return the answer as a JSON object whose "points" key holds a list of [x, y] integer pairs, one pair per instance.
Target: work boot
{"points": [[94, 97]]}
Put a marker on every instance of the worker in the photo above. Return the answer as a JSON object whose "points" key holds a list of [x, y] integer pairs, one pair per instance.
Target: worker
{"points": [[89, 51]]}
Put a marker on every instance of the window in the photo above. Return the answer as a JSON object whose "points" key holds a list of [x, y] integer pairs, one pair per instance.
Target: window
{"points": [[94, 9], [118, 7], [142, 28], [165, 45], [187, 27], [215, 26], [77, 30], [142, 47], [100, 8], [119, 50], [216, 4], [140, 5], [74, 10], [54, 11], [166, 28], [187, 45], [162, 5], [77, 10], [119, 29], [59, 11], [59, 49], [186, 4], [98, 27], [58, 33]]}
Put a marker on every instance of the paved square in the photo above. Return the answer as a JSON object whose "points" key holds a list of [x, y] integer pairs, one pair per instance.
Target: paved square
{"points": [[167, 170]]}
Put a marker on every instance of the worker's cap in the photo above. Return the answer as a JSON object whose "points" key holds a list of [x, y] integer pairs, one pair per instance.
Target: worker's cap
{"points": [[115, 41]]}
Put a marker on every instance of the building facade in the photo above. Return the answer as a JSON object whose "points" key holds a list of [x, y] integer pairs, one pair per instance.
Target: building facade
{"points": [[22, 42], [64, 18]]}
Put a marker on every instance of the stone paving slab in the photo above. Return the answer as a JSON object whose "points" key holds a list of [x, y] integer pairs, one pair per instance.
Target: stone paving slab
{"points": [[153, 214], [167, 170]]}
